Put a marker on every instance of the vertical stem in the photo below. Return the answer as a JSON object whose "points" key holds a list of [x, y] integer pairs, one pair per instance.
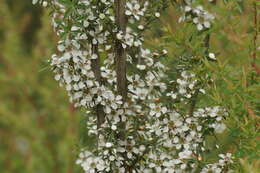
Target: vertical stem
{"points": [[254, 53], [193, 102], [206, 44], [120, 53], [120, 56], [120, 60], [95, 65]]}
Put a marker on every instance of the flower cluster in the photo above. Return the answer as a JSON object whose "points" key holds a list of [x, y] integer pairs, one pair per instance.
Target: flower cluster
{"points": [[135, 10], [141, 133], [200, 17], [225, 159], [91, 163], [186, 84]]}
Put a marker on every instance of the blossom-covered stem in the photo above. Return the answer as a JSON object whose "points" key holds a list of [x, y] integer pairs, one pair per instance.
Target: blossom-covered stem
{"points": [[95, 65], [120, 60], [119, 50]]}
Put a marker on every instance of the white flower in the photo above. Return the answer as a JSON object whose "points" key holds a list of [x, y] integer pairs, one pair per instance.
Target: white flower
{"points": [[102, 16], [185, 154], [34, 2], [109, 144], [129, 155], [157, 14], [187, 8], [220, 128], [152, 165], [119, 35], [134, 9], [141, 27], [157, 110], [112, 158], [202, 91], [212, 56], [172, 95], [200, 17], [165, 51], [142, 148], [44, 3], [141, 93], [113, 127], [141, 67], [57, 77], [199, 26], [75, 28], [183, 166]]}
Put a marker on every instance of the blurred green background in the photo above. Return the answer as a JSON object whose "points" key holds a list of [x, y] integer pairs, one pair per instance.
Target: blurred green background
{"points": [[38, 126], [40, 131]]}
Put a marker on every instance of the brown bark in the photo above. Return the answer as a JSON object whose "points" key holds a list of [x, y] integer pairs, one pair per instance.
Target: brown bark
{"points": [[120, 53], [120, 59], [95, 65]]}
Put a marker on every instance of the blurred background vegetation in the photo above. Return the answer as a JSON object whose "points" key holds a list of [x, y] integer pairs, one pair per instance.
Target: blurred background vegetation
{"points": [[40, 130], [38, 126]]}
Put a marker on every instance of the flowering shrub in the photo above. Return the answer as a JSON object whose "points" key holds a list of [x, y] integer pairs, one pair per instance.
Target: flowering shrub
{"points": [[143, 121]]}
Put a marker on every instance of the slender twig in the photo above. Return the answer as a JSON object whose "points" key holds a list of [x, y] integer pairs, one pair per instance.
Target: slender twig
{"points": [[206, 44], [193, 102]]}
